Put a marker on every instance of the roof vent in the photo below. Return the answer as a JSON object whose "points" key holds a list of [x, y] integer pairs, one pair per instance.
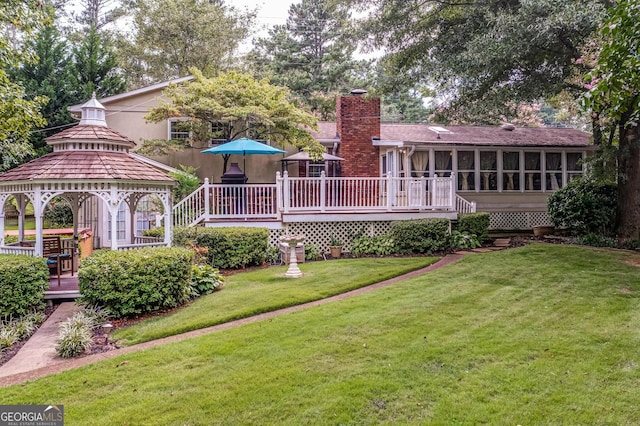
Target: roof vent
{"points": [[508, 126], [358, 92]]}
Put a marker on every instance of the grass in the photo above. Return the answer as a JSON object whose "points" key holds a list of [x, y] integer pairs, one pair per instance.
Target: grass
{"points": [[264, 290], [535, 335]]}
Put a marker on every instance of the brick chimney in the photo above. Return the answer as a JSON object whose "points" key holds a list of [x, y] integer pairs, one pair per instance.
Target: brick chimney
{"points": [[357, 122]]}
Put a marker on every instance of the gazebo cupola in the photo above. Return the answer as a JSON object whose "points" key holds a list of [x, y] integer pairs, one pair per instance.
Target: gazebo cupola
{"points": [[91, 134]]}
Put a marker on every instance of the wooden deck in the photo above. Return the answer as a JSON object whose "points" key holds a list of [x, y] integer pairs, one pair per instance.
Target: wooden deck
{"points": [[68, 288]]}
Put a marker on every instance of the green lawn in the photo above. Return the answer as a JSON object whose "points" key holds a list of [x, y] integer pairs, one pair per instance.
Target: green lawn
{"points": [[536, 335], [264, 290]]}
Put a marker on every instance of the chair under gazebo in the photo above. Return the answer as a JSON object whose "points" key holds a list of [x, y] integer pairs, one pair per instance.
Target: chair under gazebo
{"points": [[89, 162]]}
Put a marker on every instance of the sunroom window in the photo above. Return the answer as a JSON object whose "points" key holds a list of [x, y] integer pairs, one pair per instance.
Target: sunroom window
{"points": [[466, 171], [488, 170], [511, 171], [443, 163], [553, 176], [532, 171], [574, 166]]}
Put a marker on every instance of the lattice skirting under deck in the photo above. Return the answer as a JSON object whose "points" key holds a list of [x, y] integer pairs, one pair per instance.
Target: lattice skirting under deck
{"points": [[320, 233]]}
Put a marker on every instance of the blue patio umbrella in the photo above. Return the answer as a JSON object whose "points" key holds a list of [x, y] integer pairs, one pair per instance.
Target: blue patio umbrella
{"points": [[242, 147]]}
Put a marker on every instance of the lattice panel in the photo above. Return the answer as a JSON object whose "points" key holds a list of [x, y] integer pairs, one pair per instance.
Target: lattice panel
{"points": [[518, 220], [319, 233]]}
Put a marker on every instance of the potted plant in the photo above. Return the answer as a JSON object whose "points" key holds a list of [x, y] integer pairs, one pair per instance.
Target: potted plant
{"points": [[335, 247]]}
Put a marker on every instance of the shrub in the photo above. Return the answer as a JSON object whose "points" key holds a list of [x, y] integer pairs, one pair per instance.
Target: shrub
{"points": [[154, 232], [596, 240], [273, 255], [8, 337], [463, 240], [129, 283], [59, 214], [311, 252], [380, 245], [16, 330], [420, 236], [474, 224], [75, 335], [23, 280], [584, 206], [229, 248], [204, 280]]}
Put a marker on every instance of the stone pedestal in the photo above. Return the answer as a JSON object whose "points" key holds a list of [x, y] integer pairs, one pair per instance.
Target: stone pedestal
{"points": [[292, 242]]}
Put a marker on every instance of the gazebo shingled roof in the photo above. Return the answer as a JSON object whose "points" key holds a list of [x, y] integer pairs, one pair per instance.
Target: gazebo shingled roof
{"points": [[91, 165]]}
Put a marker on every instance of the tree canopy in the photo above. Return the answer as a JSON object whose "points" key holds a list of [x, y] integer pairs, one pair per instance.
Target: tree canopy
{"points": [[482, 54], [19, 112], [233, 105], [170, 36], [614, 100], [313, 51]]}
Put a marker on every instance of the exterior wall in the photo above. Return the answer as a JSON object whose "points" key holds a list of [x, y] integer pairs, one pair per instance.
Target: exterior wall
{"points": [[358, 121], [126, 116]]}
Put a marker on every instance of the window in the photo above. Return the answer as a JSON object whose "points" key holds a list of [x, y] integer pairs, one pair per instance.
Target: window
{"points": [[532, 171], [219, 132], [511, 171], [420, 164], [315, 168], [443, 163], [553, 175], [574, 165], [179, 130], [466, 171], [488, 170]]}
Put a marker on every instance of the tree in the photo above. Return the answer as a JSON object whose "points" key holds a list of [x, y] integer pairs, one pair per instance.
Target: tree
{"points": [[313, 53], [614, 99], [233, 105], [50, 77], [95, 67], [99, 13], [19, 113], [482, 54], [170, 36]]}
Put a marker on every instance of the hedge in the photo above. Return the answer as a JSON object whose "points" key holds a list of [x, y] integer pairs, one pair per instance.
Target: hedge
{"points": [[474, 223], [229, 248], [23, 280], [130, 283], [421, 236]]}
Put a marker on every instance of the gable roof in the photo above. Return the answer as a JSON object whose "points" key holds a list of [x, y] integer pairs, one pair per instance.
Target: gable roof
{"points": [[401, 134], [136, 92]]}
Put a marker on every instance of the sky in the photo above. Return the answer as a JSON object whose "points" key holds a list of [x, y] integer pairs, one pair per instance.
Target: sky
{"points": [[271, 12]]}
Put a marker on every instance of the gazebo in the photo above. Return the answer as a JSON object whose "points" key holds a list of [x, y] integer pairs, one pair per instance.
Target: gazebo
{"points": [[89, 162]]}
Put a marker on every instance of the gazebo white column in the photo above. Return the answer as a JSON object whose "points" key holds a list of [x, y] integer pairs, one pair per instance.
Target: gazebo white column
{"points": [[3, 199], [38, 212], [167, 203], [21, 207]]}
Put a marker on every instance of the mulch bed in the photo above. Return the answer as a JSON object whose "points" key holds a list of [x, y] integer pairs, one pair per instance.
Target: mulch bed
{"points": [[8, 353]]}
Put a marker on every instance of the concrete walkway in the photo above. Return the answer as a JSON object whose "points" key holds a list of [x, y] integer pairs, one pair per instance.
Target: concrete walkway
{"points": [[37, 358], [40, 350]]}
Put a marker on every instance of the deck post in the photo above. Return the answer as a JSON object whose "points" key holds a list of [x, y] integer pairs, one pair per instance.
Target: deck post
{"points": [[278, 207], [285, 192], [207, 202], [323, 191], [390, 195]]}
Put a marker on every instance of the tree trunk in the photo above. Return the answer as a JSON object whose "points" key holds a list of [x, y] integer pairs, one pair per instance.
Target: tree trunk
{"points": [[629, 184]]}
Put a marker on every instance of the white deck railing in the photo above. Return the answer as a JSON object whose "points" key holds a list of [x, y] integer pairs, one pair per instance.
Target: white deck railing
{"points": [[321, 194]]}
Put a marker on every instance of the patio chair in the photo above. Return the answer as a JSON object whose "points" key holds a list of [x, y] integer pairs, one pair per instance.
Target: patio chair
{"points": [[52, 251]]}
